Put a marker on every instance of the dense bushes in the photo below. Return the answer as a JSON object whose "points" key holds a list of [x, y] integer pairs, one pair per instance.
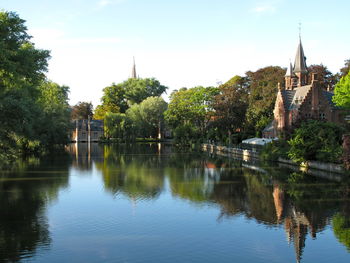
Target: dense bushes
{"points": [[312, 141]]}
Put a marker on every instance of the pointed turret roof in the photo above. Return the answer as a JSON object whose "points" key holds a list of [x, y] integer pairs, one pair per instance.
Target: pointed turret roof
{"points": [[289, 72], [300, 60], [133, 71]]}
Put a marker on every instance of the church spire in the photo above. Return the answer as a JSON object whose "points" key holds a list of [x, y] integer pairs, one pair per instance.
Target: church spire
{"points": [[300, 60], [133, 71]]}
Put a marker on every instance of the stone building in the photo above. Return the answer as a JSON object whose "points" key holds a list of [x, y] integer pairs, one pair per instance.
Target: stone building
{"points": [[303, 97], [87, 130]]}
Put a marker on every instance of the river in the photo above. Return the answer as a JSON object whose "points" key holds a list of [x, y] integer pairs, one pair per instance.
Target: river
{"points": [[158, 203]]}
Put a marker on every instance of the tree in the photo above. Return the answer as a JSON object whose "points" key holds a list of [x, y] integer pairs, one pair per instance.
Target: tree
{"points": [[230, 105], [262, 95], [192, 106], [342, 92], [55, 121], [324, 76], [82, 111], [345, 70], [113, 99], [33, 111], [316, 140], [119, 97], [22, 68], [114, 124], [137, 90], [152, 112]]}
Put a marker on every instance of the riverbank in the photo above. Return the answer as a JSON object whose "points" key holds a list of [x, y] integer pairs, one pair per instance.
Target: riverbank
{"points": [[247, 155]]}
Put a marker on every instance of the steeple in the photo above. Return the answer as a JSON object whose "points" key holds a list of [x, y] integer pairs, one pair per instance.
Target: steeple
{"points": [[300, 68], [133, 71], [289, 77], [300, 60], [289, 72]]}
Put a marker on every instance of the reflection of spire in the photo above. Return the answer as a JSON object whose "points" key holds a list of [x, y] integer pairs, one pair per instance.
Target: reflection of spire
{"points": [[296, 231], [133, 205], [300, 232], [278, 197]]}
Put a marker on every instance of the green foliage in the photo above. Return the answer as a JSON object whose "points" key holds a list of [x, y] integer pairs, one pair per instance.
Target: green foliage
{"points": [[341, 228], [191, 107], [262, 95], [230, 106], [342, 92], [185, 134], [316, 140], [272, 151], [54, 122], [116, 125], [34, 112], [140, 120], [119, 97]]}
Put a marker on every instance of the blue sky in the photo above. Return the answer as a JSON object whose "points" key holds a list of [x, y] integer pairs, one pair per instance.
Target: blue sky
{"points": [[182, 43]]}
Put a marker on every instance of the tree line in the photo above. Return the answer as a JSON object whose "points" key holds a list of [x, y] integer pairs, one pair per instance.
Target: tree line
{"points": [[35, 114], [34, 111]]}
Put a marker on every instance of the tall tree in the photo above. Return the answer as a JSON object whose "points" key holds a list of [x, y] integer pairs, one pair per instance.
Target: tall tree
{"points": [[152, 112], [191, 107], [262, 95], [22, 68], [82, 111], [119, 97], [33, 111], [231, 104], [55, 121]]}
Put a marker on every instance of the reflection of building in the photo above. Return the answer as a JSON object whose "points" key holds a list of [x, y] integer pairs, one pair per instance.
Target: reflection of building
{"points": [[84, 154], [304, 97], [296, 223], [86, 130]]}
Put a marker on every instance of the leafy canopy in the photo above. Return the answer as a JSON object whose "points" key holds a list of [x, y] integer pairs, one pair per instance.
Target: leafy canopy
{"points": [[342, 92]]}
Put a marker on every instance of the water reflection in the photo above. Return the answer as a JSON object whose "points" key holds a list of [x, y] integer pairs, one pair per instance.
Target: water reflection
{"points": [[277, 198], [301, 204], [24, 196]]}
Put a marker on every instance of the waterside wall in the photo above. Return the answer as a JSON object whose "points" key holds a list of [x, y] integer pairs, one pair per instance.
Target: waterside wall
{"points": [[253, 154]]}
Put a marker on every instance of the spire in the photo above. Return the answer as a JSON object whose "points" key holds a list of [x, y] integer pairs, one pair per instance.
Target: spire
{"points": [[289, 72], [133, 71], [300, 60]]}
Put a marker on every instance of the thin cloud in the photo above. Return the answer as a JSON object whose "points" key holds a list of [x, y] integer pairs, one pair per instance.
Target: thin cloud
{"points": [[104, 3], [264, 9]]}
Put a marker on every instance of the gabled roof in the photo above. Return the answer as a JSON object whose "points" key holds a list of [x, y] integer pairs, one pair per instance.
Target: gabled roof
{"points": [[299, 96], [287, 96], [300, 60]]}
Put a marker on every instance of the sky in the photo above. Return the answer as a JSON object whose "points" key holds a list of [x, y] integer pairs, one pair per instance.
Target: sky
{"points": [[182, 43]]}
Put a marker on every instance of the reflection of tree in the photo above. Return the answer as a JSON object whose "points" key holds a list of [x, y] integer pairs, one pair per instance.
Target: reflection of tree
{"points": [[137, 174], [341, 228], [23, 199], [301, 203]]}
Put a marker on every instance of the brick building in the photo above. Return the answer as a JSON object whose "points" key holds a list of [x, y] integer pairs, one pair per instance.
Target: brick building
{"points": [[303, 97]]}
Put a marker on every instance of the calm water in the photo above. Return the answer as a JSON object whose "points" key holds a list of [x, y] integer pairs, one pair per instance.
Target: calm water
{"points": [[155, 203]]}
